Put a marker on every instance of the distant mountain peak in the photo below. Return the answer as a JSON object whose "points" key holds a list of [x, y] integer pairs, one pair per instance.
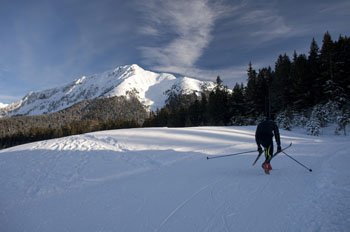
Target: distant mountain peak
{"points": [[128, 69], [151, 88]]}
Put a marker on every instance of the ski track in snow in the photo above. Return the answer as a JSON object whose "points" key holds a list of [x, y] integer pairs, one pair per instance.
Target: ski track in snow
{"points": [[182, 205], [158, 179]]}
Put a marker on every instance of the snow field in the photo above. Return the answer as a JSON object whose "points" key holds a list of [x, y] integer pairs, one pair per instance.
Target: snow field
{"points": [[158, 179]]}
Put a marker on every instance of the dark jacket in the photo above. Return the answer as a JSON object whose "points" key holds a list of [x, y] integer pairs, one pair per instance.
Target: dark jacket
{"points": [[264, 133]]}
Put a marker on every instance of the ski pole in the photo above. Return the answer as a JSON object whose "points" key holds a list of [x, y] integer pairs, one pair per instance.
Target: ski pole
{"points": [[310, 170], [257, 158], [220, 156]]}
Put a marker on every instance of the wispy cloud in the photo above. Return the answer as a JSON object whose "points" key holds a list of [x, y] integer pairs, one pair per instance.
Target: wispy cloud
{"points": [[336, 8], [267, 24], [185, 28], [3, 70]]}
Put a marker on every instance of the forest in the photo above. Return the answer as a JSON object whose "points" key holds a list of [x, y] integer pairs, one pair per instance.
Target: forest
{"points": [[83, 117]]}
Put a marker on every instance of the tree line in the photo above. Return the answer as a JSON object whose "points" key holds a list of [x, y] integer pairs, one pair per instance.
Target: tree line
{"points": [[86, 116]]}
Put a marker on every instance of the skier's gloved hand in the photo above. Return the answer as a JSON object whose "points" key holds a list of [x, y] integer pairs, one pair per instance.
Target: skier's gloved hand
{"points": [[260, 149], [279, 149]]}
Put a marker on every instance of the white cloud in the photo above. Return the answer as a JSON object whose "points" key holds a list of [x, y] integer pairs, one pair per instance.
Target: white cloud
{"points": [[185, 25], [149, 30]]}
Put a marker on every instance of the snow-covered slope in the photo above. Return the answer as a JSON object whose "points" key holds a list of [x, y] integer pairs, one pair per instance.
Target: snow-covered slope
{"points": [[158, 179], [149, 86], [2, 105]]}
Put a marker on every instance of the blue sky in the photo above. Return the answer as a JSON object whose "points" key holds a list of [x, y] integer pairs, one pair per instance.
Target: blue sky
{"points": [[47, 43]]}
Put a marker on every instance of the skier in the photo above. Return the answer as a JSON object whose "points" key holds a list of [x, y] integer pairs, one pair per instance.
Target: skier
{"points": [[263, 137]]}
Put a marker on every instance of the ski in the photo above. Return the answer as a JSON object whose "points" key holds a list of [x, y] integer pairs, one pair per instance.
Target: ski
{"points": [[283, 149]]}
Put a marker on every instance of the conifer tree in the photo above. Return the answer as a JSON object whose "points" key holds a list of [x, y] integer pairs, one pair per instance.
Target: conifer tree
{"points": [[218, 109], [237, 104], [327, 66], [313, 78], [301, 85], [195, 114], [263, 92], [281, 92], [341, 69], [251, 90]]}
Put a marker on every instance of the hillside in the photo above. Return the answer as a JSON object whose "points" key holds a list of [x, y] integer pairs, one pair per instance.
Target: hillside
{"points": [[158, 179], [85, 116]]}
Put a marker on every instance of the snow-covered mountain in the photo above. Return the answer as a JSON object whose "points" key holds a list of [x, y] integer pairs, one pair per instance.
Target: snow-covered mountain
{"points": [[150, 88]]}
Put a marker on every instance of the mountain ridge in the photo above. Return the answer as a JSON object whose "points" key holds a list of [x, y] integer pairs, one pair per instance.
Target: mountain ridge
{"points": [[150, 88]]}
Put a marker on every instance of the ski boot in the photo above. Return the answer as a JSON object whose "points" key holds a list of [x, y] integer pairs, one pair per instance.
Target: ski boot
{"points": [[266, 167], [269, 166]]}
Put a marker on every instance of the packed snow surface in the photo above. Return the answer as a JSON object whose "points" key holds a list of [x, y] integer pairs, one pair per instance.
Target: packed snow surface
{"points": [[158, 179]]}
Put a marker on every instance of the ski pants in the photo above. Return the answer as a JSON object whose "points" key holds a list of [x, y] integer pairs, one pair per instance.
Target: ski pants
{"points": [[268, 150]]}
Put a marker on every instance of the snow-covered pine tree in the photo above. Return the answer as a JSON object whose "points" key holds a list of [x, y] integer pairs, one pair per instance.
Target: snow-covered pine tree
{"points": [[284, 120], [342, 120], [313, 127]]}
